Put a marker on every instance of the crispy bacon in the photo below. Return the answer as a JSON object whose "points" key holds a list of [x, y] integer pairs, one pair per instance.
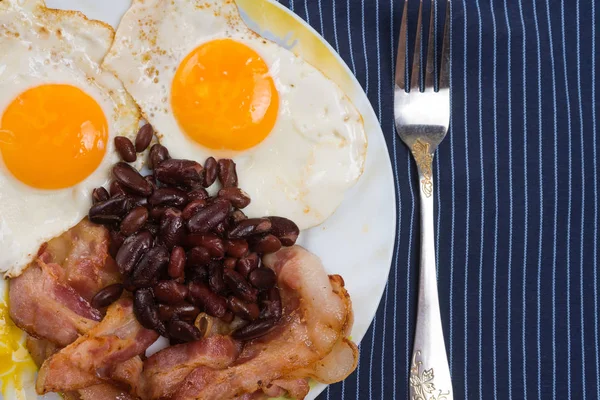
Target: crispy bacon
{"points": [[167, 369], [92, 358], [316, 316], [104, 391]]}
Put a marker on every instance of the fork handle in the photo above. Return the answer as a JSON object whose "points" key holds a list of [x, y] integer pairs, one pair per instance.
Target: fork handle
{"points": [[429, 372]]}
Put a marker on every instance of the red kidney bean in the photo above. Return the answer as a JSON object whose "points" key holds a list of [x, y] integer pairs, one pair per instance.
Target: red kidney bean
{"points": [[170, 292], [286, 230], [237, 248], [210, 172], [247, 264], [158, 154], [229, 262], [198, 194], [116, 189], [192, 208], [125, 149], [227, 173], [136, 201], [172, 230], [209, 217], [185, 312], [168, 197], [107, 296], [152, 181], [210, 242], [116, 241], [100, 194], [134, 221], [255, 329], [270, 304], [146, 311], [262, 278], [237, 197], [237, 216], [228, 317], [215, 277], [178, 172], [131, 179], [156, 213], [143, 138], [198, 257], [238, 285], [177, 262], [152, 228], [266, 244], [247, 311], [150, 267], [109, 211], [183, 331], [222, 229], [250, 227], [202, 296], [197, 274]]}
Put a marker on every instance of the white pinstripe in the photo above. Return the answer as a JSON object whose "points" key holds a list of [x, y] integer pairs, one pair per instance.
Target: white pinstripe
{"points": [[526, 205], [364, 39], [350, 38], [308, 21], [335, 35], [595, 164]]}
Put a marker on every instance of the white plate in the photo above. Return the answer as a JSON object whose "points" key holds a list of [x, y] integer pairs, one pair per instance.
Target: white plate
{"points": [[357, 241]]}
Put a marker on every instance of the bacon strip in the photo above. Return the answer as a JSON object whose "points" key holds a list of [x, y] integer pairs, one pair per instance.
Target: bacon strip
{"points": [[93, 357]]}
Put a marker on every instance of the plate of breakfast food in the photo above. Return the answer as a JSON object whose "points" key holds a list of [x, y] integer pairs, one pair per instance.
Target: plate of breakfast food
{"points": [[196, 202]]}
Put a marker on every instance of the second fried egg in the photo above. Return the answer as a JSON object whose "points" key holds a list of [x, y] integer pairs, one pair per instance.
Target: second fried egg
{"points": [[212, 87]]}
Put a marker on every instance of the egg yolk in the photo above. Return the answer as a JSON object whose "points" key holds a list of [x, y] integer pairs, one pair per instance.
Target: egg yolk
{"points": [[223, 96], [53, 136]]}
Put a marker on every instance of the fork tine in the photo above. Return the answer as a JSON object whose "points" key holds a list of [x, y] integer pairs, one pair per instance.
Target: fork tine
{"points": [[401, 59], [431, 61], [416, 70], [445, 67]]}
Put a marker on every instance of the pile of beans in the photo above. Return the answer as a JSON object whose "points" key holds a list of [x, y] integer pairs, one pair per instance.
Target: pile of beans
{"points": [[183, 252]]}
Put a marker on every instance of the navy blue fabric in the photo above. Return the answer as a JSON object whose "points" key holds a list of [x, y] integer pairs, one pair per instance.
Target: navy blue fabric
{"points": [[517, 197]]}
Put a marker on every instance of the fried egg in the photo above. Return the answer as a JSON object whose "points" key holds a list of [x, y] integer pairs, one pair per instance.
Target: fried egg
{"points": [[212, 87], [59, 114]]}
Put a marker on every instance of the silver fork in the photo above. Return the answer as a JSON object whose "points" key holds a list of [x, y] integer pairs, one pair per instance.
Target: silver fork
{"points": [[422, 120]]}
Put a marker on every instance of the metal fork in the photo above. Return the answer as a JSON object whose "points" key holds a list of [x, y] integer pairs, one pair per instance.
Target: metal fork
{"points": [[422, 120]]}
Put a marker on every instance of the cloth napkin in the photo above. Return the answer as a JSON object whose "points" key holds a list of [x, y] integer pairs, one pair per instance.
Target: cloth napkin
{"points": [[516, 195]]}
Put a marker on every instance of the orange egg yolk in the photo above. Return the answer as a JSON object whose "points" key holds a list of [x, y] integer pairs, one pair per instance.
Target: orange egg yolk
{"points": [[53, 136], [223, 96]]}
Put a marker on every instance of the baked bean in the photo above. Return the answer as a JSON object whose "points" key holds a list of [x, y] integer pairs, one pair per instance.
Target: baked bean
{"points": [[237, 216], [135, 200], [172, 230], [215, 277], [227, 173], [146, 311], [100, 194], [125, 149], [250, 227], [270, 304], [134, 221], [228, 317], [247, 311], [237, 197], [198, 194], [170, 292], [107, 296], [210, 172], [109, 211], [178, 172], [237, 248], [150, 267], [222, 228], [116, 189], [158, 154], [198, 257], [177, 262], [186, 312], [255, 329], [143, 138], [210, 242], [156, 213], [152, 228], [239, 286], [262, 278], [131, 179], [266, 244], [183, 331], [209, 217], [229, 262], [202, 296], [132, 250], [247, 264], [168, 197], [197, 273], [286, 230], [152, 181], [193, 208]]}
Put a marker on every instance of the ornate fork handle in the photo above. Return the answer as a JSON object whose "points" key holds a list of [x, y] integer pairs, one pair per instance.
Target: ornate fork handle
{"points": [[429, 373]]}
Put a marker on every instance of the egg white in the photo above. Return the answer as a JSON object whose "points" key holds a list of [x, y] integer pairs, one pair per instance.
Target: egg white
{"points": [[317, 148], [43, 46]]}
